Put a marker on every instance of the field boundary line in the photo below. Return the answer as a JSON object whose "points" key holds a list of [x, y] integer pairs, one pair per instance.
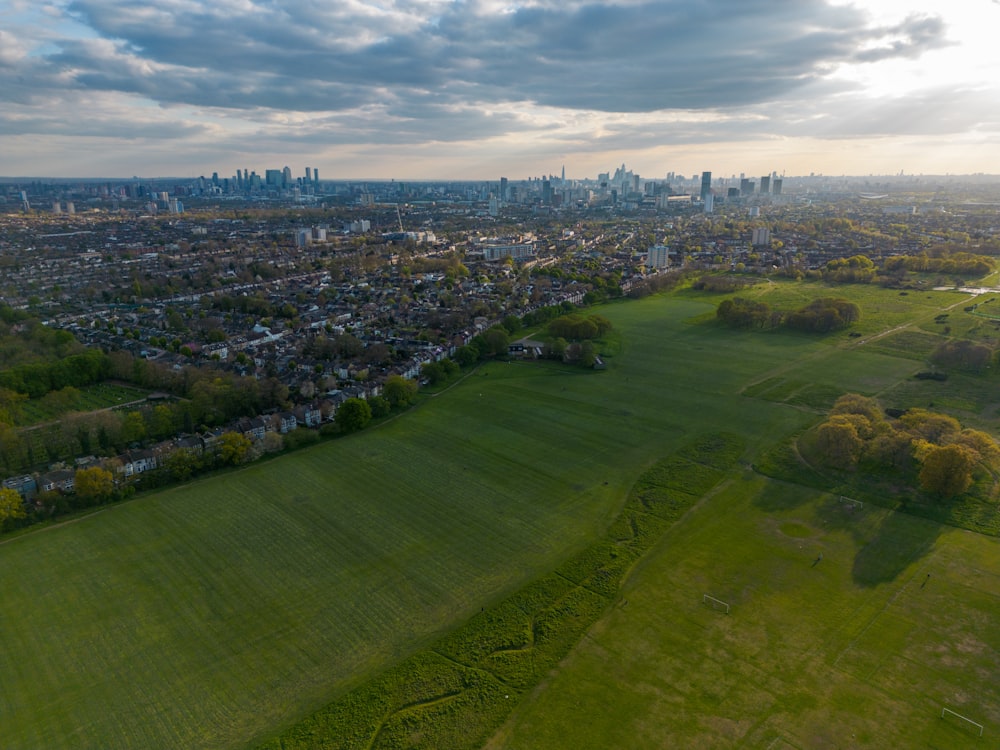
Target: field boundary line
{"points": [[889, 602]]}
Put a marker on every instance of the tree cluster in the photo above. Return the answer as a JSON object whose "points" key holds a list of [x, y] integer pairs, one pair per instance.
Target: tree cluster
{"points": [[740, 312], [932, 449], [858, 269], [824, 315], [962, 355], [35, 379], [717, 283], [579, 328], [943, 262]]}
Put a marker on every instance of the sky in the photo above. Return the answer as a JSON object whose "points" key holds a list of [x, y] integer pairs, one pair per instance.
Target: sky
{"points": [[478, 89]]}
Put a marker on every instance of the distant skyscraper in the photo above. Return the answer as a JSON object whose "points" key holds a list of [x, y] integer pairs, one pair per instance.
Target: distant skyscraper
{"points": [[777, 186], [765, 184], [563, 178], [503, 189], [286, 176], [706, 184], [308, 174], [316, 175], [709, 203]]}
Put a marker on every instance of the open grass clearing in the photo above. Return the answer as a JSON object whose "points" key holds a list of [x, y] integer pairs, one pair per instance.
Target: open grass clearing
{"points": [[859, 648], [211, 614], [91, 398], [215, 614]]}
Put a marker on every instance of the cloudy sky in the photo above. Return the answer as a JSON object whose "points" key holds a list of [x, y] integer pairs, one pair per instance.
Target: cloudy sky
{"points": [[475, 89]]}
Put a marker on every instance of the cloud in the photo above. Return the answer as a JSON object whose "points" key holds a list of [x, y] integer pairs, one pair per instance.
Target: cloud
{"points": [[565, 74], [612, 57]]}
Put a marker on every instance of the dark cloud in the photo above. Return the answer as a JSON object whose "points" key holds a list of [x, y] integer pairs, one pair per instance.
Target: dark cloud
{"points": [[630, 57]]}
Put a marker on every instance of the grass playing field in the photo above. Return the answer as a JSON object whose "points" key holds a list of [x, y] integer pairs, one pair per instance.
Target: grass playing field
{"points": [[213, 615], [847, 628]]}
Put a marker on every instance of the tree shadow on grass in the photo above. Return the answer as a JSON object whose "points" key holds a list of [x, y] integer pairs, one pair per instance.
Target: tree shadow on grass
{"points": [[897, 542]]}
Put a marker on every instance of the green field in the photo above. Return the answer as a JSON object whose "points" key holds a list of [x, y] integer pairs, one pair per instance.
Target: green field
{"points": [[216, 614], [90, 398], [859, 649]]}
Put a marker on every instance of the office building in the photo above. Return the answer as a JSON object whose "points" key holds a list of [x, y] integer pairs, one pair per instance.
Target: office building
{"points": [[706, 184]]}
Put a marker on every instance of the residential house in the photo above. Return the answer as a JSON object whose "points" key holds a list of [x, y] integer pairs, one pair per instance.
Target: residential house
{"points": [[26, 485], [285, 421], [61, 480], [310, 415], [136, 462]]}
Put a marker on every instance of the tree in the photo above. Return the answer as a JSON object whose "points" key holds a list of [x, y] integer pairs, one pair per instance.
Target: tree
{"points": [[947, 469], [380, 406], [133, 427], [181, 464], [511, 323], [466, 355], [273, 442], [399, 391], [234, 448], [962, 354], [94, 485], [161, 421], [493, 342], [839, 442], [433, 372], [935, 428], [11, 506], [353, 415]]}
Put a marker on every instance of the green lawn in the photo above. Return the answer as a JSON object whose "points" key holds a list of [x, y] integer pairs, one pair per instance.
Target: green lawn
{"points": [[215, 614], [859, 649], [91, 398]]}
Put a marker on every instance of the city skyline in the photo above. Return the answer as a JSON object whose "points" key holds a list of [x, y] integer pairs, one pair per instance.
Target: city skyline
{"points": [[438, 89]]}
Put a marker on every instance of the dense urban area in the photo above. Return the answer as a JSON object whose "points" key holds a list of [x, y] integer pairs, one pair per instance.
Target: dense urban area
{"points": [[151, 329]]}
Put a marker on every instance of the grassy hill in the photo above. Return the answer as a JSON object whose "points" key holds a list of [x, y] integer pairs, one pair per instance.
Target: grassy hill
{"points": [[211, 615]]}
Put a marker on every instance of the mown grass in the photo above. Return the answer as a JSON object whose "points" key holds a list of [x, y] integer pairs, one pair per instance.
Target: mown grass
{"points": [[458, 691], [858, 648], [215, 614]]}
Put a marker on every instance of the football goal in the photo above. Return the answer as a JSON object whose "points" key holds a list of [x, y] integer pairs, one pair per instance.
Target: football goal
{"points": [[716, 604], [851, 503], [962, 720]]}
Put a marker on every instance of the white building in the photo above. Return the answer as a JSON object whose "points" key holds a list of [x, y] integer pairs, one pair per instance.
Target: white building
{"points": [[658, 257]]}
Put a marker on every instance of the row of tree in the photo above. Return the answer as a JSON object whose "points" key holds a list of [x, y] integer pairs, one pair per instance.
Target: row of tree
{"points": [[932, 450], [948, 263], [822, 315]]}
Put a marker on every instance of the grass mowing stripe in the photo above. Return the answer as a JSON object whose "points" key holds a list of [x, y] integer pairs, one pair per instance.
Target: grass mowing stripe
{"points": [[310, 536], [513, 644]]}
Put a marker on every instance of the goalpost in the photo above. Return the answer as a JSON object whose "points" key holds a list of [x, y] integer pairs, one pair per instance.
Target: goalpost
{"points": [[714, 603], [949, 712], [852, 502]]}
